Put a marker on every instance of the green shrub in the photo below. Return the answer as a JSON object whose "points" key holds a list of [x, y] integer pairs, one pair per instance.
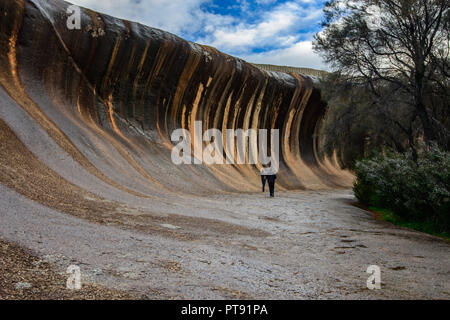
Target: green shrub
{"points": [[413, 191]]}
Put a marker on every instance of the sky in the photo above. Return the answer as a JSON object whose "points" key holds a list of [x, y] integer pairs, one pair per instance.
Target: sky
{"points": [[259, 31]]}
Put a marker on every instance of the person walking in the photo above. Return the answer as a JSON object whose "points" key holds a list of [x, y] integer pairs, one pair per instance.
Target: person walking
{"points": [[271, 177], [263, 177]]}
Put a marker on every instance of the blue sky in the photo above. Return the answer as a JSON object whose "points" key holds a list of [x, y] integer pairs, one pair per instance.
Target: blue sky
{"points": [[260, 31]]}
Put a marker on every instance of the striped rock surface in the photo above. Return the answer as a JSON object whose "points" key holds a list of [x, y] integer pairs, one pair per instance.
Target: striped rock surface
{"points": [[86, 115]]}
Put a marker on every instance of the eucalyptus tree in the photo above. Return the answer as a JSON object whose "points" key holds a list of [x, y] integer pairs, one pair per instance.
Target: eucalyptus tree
{"points": [[399, 50]]}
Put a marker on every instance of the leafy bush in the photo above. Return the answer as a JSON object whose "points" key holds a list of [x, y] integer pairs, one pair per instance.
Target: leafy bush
{"points": [[414, 191]]}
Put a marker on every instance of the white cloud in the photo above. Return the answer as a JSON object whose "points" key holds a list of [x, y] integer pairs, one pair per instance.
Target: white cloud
{"points": [[299, 54], [176, 16], [275, 29], [265, 2]]}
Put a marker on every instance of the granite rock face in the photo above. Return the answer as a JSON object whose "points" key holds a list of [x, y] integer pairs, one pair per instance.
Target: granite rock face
{"points": [[94, 108]]}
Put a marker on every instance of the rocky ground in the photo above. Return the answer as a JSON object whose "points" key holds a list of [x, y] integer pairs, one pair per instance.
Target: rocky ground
{"points": [[299, 245], [24, 276]]}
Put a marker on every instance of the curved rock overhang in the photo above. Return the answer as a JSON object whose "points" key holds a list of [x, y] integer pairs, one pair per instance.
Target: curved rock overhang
{"points": [[102, 102]]}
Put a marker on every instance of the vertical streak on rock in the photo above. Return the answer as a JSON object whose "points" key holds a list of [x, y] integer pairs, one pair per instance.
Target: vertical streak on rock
{"points": [[137, 79], [196, 145], [183, 83], [255, 120]]}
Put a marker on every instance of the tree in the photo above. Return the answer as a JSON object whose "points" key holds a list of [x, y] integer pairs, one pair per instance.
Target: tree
{"points": [[396, 48], [357, 126]]}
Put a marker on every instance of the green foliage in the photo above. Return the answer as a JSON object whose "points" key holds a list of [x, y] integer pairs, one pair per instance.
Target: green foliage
{"points": [[423, 226], [416, 192]]}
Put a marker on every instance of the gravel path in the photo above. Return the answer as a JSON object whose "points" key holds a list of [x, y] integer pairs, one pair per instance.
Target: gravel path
{"points": [[315, 245]]}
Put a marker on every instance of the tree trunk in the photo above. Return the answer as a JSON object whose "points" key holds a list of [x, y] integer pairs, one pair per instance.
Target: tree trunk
{"points": [[428, 130]]}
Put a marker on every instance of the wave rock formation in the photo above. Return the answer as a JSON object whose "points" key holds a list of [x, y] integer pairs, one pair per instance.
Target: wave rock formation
{"points": [[86, 115]]}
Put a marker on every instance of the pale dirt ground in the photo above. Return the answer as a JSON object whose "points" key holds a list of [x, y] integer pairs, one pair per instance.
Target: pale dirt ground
{"points": [[23, 276], [311, 245]]}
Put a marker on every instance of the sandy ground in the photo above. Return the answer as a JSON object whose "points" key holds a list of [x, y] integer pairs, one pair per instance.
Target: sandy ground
{"points": [[24, 276], [301, 245]]}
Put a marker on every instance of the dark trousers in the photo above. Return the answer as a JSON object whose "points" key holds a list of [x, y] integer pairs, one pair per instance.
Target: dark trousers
{"points": [[272, 187], [263, 181]]}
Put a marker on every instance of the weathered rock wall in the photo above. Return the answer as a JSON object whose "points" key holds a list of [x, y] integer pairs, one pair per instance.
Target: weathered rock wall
{"points": [[102, 102]]}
